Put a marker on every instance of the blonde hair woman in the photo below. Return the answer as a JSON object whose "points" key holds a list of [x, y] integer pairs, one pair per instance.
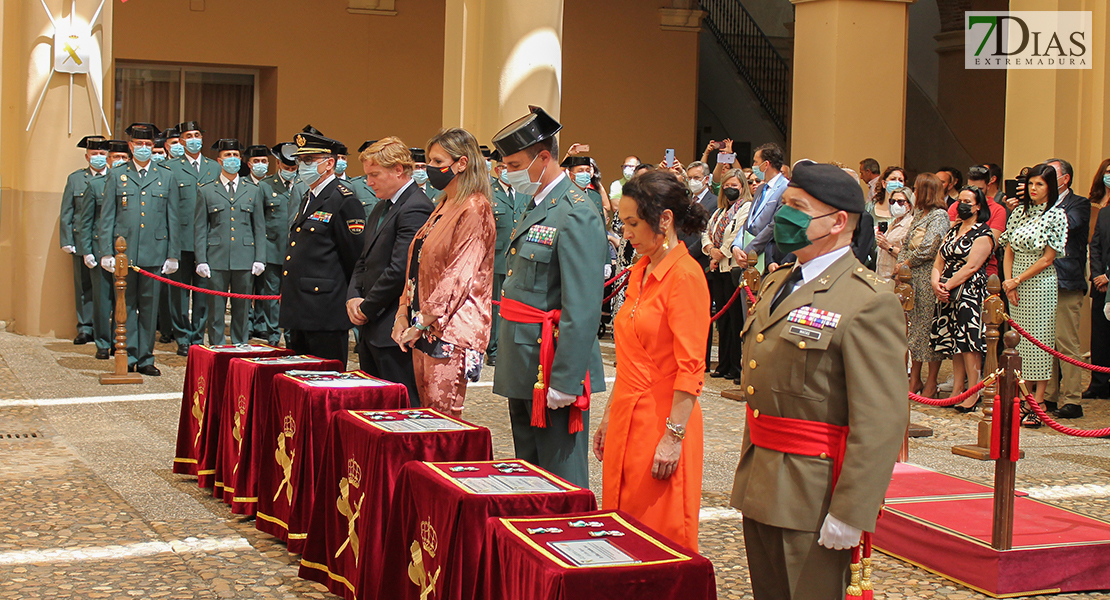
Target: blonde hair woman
{"points": [[445, 312]]}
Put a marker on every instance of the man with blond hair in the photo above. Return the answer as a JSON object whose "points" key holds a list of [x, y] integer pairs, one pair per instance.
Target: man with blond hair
{"points": [[379, 277]]}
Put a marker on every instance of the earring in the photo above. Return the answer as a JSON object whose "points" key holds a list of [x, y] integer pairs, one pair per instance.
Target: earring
{"points": [[666, 245]]}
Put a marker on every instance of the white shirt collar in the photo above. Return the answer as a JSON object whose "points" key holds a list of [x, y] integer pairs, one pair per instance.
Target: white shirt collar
{"points": [[100, 172], [194, 161], [508, 188], [704, 191], [149, 165], [813, 269], [547, 190], [254, 179], [1063, 196], [771, 182], [396, 195], [322, 185], [224, 180]]}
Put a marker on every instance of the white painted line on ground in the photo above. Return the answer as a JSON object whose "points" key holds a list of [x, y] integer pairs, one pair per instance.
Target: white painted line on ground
{"points": [[89, 399], [490, 383], [1063, 492], [126, 551], [718, 513]]}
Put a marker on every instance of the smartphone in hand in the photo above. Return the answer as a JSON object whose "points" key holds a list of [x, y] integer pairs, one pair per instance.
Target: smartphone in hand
{"points": [[669, 157]]}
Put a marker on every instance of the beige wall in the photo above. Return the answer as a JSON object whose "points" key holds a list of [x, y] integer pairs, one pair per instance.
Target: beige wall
{"points": [[36, 277]]}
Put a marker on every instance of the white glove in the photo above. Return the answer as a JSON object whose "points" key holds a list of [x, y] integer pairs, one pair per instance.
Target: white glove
{"points": [[838, 535], [69, 249], [557, 399], [204, 271], [1106, 310], [258, 269], [608, 272], [170, 266], [108, 263], [90, 261]]}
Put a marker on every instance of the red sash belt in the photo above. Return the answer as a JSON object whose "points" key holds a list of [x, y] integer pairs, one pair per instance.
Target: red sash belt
{"points": [[519, 312], [821, 440]]}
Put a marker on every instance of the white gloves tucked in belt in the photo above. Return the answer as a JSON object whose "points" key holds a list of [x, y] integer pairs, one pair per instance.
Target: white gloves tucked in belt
{"points": [[69, 249], [258, 269], [1106, 310], [170, 266], [203, 270], [108, 263], [90, 261], [557, 399], [838, 535]]}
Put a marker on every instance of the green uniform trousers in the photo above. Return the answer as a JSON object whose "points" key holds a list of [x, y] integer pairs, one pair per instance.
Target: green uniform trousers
{"points": [[188, 328], [491, 349], [552, 448], [265, 321], [785, 564], [83, 294], [142, 316], [104, 306], [236, 282]]}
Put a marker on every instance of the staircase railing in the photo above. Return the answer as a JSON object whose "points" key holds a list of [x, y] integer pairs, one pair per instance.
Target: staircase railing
{"points": [[754, 56]]}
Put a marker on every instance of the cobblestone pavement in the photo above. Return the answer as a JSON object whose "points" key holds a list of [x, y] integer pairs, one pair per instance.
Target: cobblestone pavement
{"points": [[89, 507]]}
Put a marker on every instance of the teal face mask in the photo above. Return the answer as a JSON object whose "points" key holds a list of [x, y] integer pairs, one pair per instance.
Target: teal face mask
{"points": [[287, 175], [231, 165], [259, 169], [582, 179], [1106, 180], [177, 150], [757, 172], [119, 161], [340, 166], [504, 177], [308, 173], [142, 153], [157, 157], [791, 227], [419, 177], [98, 162], [194, 145], [893, 186]]}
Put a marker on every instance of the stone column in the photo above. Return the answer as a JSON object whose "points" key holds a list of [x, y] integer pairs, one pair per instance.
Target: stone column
{"points": [[36, 282], [843, 110]]}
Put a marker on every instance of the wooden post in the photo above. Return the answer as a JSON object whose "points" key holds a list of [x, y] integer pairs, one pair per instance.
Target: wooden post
{"points": [[993, 317], [904, 290], [1005, 469], [753, 280], [121, 375]]}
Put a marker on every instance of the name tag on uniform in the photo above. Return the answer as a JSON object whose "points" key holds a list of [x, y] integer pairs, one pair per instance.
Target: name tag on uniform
{"points": [[806, 333], [814, 317], [541, 234], [323, 217]]}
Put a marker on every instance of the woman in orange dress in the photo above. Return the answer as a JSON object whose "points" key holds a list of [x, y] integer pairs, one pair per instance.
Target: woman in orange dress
{"points": [[650, 439]]}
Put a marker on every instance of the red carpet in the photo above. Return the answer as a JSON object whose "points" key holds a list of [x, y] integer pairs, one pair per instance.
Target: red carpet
{"points": [[943, 524]]}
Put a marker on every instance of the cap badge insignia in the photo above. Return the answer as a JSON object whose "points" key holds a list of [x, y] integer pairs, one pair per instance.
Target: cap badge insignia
{"points": [[299, 139], [123, 177]]}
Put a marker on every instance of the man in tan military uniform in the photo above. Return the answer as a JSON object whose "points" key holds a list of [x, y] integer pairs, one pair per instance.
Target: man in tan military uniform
{"points": [[827, 394]]}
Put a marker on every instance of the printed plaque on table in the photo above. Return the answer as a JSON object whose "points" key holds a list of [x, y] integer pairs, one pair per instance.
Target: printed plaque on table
{"points": [[592, 553], [417, 420], [333, 379], [241, 348]]}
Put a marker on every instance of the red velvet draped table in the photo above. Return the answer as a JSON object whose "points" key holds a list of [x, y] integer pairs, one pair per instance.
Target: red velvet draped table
{"points": [[293, 433], [557, 558], [249, 383], [202, 405], [365, 453], [438, 519]]}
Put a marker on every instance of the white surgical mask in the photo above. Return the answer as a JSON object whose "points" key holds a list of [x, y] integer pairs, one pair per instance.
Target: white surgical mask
{"points": [[696, 186], [522, 181], [898, 210], [629, 172]]}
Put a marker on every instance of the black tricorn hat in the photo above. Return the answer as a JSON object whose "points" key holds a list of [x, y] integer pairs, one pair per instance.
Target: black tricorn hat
{"points": [[418, 155], [284, 152], [829, 184], [227, 144], [366, 145], [160, 142], [118, 146], [526, 131], [170, 133], [341, 149], [84, 143], [187, 126], [495, 156], [485, 151], [310, 143], [256, 151], [142, 131], [575, 161]]}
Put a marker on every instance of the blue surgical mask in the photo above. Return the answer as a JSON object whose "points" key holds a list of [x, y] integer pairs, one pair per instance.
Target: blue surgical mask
{"points": [[194, 145], [259, 169], [142, 153], [893, 186], [504, 177], [757, 172], [489, 165], [231, 165], [308, 173], [157, 157], [522, 181], [420, 177], [118, 162], [99, 161], [287, 175], [340, 166], [177, 150], [1106, 180], [582, 179]]}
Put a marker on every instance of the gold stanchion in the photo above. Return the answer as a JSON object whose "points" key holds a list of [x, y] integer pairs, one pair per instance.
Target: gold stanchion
{"points": [[121, 375], [753, 280]]}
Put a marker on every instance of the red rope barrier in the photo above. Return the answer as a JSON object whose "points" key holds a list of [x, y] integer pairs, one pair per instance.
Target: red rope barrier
{"points": [[618, 288], [1053, 352], [193, 288], [728, 304], [619, 275], [751, 296], [1072, 431], [975, 389]]}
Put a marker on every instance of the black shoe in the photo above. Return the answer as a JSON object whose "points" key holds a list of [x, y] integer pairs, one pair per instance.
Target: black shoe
{"points": [[149, 370], [82, 339], [736, 381], [1093, 394], [1031, 421], [130, 368], [1049, 406], [491, 360], [716, 374], [102, 354], [164, 339], [182, 350], [1069, 411], [733, 375], [967, 409]]}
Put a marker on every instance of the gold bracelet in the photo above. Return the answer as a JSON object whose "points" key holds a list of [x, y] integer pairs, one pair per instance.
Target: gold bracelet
{"points": [[678, 431]]}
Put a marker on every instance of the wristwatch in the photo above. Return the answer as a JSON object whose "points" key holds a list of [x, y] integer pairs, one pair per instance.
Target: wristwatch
{"points": [[678, 431]]}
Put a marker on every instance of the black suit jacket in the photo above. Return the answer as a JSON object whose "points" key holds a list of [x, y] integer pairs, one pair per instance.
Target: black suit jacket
{"points": [[1071, 266], [1100, 247], [379, 277], [324, 243]]}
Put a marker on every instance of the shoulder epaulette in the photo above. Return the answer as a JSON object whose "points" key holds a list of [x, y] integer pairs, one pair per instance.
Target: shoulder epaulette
{"points": [[343, 189], [204, 183], [870, 278]]}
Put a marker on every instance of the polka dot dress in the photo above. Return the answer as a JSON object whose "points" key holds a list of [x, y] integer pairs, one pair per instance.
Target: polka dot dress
{"points": [[1028, 236]]}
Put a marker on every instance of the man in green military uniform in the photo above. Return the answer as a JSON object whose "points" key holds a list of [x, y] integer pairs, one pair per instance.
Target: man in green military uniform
{"points": [[229, 233], [165, 321], [72, 196], [88, 241], [580, 169], [276, 205], [826, 390], [189, 171], [556, 257], [140, 205], [508, 209], [362, 189]]}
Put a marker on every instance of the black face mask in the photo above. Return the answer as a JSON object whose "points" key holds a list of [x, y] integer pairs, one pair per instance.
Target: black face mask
{"points": [[732, 194], [964, 211], [440, 177]]}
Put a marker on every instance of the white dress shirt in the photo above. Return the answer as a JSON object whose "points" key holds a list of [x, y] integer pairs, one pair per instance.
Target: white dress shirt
{"points": [[812, 270], [547, 190]]}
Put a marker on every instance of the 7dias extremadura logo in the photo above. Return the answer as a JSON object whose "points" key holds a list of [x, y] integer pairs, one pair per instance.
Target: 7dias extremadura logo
{"points": [[1027, 40]]}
